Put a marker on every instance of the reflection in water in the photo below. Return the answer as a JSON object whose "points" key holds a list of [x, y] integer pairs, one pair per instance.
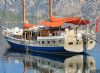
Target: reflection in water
{"points": [[46, 63], [80, 64]]}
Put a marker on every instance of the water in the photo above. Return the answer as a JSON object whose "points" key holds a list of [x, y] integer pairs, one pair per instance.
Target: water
{"points": [[46, 63], [14, 63]]}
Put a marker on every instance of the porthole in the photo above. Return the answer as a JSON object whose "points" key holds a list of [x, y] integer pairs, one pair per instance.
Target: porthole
{"points": [[70, 43], [91, 42]]}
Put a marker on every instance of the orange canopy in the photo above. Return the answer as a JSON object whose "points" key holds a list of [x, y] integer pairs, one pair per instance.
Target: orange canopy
{"points": [[56, 22], [52, 24], [54, 19], [73, 20]]}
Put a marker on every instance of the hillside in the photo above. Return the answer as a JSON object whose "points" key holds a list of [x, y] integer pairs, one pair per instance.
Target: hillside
{"points": [[11, 10]]}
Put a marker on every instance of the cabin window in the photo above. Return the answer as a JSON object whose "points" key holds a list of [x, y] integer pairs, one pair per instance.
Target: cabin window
{"points": [[42, 42], [53, 42], [91, 42], [48, 42], [59, 41], [70, 43], [38, 42]]}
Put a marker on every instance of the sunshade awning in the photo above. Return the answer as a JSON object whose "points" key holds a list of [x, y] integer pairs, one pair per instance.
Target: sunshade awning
{"points": [[73, 20], [57, 22]]}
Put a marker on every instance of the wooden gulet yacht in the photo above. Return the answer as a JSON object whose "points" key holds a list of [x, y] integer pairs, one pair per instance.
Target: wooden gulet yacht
{"points": [[49, 36]]}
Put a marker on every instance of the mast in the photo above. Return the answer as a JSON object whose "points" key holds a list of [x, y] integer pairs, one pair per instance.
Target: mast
{"points": [[23, 12], [50, 9]]}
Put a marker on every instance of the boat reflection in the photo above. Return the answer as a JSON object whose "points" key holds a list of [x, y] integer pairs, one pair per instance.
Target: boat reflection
{"points": [[53, 63], [80, 64]]}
